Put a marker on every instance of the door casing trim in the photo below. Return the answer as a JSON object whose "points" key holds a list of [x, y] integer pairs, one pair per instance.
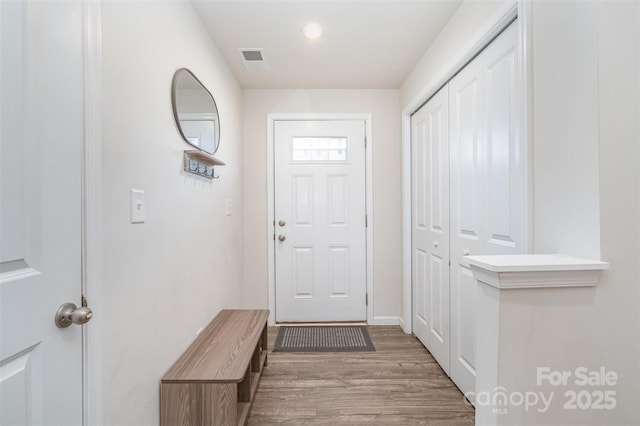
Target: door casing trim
{"points": [[271, 119]]}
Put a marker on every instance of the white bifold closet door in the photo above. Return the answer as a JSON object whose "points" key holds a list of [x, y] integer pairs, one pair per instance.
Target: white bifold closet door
{"points": [[486, 194], [430, 225]]}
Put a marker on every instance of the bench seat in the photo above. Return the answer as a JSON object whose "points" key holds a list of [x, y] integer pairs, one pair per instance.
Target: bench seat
{"points": [[215, 379]]}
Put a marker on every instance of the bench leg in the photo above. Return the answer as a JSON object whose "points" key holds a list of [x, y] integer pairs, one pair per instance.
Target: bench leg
{"points": [[244, 387], [265, 344], [198, 404]]}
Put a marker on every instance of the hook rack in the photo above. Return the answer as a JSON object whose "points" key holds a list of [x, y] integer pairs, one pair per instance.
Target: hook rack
{"points": [[201, 164]]}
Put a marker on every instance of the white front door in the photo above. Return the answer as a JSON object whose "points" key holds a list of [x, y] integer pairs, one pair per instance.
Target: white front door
{"points": [[41, 73], [320, 229], [430, 225]]}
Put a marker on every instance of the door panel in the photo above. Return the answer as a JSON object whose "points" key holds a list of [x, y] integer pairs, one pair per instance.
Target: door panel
{"points": [[463, 328], [339, 271], [430, 226], [338, 196], [439, 273], [42, 122], [302, 200], [504, 180], [487, 184], [466, 154], [303, 272], [320, 200]]}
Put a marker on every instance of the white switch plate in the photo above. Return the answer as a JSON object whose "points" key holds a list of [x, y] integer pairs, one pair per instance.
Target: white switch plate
{"points": [[137, 206], [229, 207]]}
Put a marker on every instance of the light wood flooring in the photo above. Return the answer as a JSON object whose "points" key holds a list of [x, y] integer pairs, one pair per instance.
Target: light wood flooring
{"points": [[400, 383]]}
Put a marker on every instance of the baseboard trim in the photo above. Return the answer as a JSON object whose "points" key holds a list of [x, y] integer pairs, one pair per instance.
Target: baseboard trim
{"points": [[381, 320], [404, 326]]}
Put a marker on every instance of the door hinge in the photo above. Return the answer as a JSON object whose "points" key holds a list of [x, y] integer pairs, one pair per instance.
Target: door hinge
{"points": [[274, 237], [365, 141], [366, 299], [366, 221]]}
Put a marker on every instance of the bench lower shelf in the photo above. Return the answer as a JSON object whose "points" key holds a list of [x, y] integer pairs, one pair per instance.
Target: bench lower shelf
{"points": [[245, 407]]}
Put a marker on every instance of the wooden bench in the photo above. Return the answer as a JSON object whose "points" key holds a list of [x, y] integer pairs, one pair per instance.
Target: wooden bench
{"points": [[216, 378]]}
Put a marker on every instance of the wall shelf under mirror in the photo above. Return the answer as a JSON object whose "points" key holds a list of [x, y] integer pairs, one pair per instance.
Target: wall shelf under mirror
{"points": [[200, 163]]}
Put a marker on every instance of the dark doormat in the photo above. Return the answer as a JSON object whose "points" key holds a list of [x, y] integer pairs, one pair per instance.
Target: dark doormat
{"points": [[337, 338]]}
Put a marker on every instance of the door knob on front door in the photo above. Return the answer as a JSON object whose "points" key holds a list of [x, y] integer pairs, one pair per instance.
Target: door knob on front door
{"points": [[69, 313], [281, 237]]}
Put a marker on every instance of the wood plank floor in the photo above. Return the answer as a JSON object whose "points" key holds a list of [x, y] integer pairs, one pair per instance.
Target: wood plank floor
{"points": [[400, 383]]}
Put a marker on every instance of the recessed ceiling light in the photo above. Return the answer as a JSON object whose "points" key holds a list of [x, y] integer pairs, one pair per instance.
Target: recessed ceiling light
{"points": [[312, 30]]}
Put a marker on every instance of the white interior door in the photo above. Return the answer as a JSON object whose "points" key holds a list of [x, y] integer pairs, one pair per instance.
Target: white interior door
{"points": [[41, 73], [466, 218], [430, 225], [320, 229], [487, 184]]}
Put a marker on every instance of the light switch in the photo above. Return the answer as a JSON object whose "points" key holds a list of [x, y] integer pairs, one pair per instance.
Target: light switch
{"points": [[137, 206], [229, 207]]}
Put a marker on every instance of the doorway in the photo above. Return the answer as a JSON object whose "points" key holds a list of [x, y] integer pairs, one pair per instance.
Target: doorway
{"points": [[320, 241]]}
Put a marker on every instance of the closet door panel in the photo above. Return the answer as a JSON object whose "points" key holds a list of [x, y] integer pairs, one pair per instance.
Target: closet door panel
{"points": [[430, 226], [467, 164], [504, 180], [465, 156], [487, 184]]}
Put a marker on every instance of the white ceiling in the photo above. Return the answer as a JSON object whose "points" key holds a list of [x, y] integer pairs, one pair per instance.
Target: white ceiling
{"points": [[367, 44]]}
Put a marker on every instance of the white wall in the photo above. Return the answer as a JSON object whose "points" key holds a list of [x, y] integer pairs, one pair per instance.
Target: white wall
{"points": [[387, 209], [459, 36], [565, 128], [171, 275], [586, 66], [586, 184]]}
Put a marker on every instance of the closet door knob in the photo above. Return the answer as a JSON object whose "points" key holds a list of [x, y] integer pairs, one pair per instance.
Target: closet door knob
{"points": [[465, 252], [281, 237]]}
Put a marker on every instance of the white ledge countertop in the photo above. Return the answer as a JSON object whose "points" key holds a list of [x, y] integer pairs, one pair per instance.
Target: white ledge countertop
{"points": [[535, 262], [535, 270]]}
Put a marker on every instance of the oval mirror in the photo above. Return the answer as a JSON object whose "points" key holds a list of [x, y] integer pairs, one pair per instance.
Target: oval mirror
{"points": [[195, 112]]}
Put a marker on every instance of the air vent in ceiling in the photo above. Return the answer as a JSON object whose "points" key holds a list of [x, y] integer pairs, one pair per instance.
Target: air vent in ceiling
{"points": [[253, 59]]}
